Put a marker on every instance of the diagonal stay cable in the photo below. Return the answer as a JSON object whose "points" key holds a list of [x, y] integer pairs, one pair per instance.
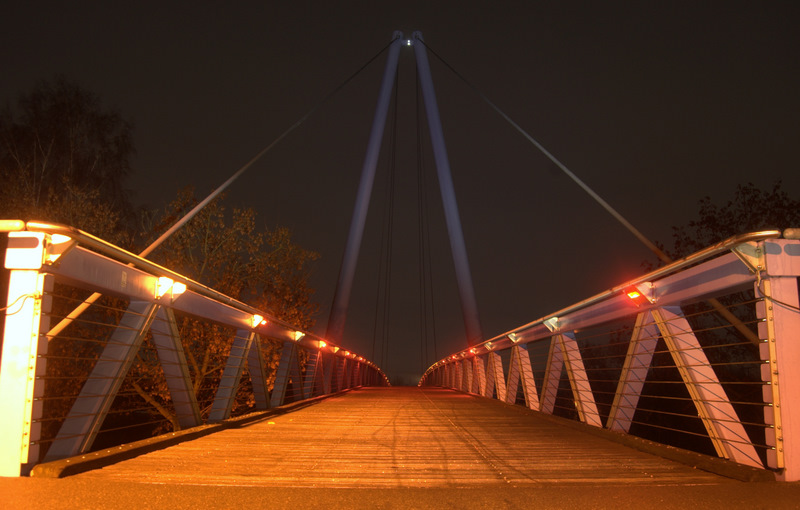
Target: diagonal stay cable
{"points": [[718, 307], [605, 205], [74, 314]]}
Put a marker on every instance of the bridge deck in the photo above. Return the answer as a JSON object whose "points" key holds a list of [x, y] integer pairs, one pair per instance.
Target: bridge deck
{"points": [[403, 438]]}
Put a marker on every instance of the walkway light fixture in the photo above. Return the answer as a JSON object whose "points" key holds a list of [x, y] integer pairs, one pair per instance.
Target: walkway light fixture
{"points": [[58, 245], [298, 335], [165, 285], [552, 324], [641, 293], [258, 320]]}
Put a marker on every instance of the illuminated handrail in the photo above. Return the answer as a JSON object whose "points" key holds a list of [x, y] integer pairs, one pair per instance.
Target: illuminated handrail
{"points": [[41, 254], [676, 336], [99, 245], [502, 341]]}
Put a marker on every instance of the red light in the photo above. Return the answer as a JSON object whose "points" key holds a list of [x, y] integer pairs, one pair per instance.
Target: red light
{"points": [[641, 294]]}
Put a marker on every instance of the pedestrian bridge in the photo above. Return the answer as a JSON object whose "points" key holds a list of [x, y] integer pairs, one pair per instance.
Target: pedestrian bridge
{"points": [[659, 380]]}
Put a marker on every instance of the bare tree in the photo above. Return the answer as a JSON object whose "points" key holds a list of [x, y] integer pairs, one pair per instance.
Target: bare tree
{"points": [[64, 158]]}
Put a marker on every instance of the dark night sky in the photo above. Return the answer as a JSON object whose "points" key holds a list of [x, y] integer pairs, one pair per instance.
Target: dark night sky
{"points": [[653, 104]]}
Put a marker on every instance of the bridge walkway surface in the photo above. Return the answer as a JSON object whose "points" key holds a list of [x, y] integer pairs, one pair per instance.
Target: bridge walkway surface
{"points": [[400, 448]]}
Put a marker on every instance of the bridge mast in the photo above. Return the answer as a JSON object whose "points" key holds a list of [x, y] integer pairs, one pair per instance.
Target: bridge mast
{"points": [[466, 291], [344, 286]]}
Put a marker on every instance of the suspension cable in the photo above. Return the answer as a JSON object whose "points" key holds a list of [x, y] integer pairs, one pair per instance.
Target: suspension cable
{"points": [[258, 156], [421, 248], [605, 205], [666, 259], [390, 233], [425, 273], [74, 314], [382, 306]]}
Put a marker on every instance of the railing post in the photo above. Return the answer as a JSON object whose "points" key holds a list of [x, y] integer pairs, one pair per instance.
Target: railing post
{"points": [[341, 373], [258, 374], [780, 330], [495, 378], [313, 366], [479, 376], [356, 374], [466, 375], [564, 353], [634, 373], [287, 369], [328, 367], [711, 401], [231, 376], [172, 358], [519, 370], [86, 416], [347, 373], [581, 389], [552, 376], [23, 341]]}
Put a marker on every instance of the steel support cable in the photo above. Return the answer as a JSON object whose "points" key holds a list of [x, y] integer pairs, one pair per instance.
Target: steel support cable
{"points": [[682, 399], [692, 433], [605, 205], [427, 232], [390, 231], [421, 275], [423, 234], [385, 255], [188, 216]]}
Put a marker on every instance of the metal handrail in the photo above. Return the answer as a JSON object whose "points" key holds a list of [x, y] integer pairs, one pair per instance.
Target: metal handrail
{"points": [[501, 341], [122, 255]]}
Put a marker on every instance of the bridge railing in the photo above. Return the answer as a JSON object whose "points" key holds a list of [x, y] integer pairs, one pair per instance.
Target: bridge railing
{"points": [[157, 351], [701, 354]]}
